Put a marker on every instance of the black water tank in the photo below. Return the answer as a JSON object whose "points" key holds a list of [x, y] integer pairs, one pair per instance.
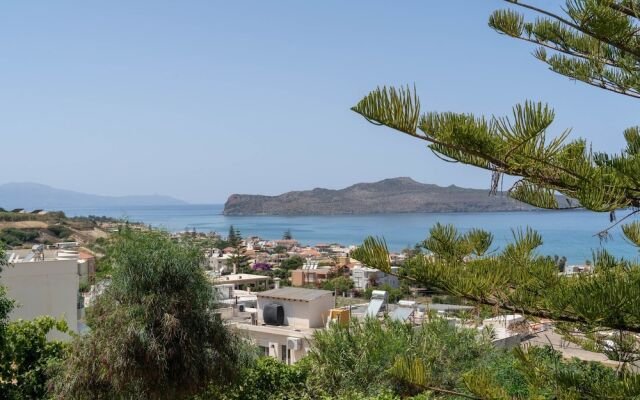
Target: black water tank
{"points": [[273, 314]]}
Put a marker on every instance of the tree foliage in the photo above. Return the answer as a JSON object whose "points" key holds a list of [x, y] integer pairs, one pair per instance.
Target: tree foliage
{"points": [[340, 284], [27, 357], [594, 31], [593, 41], [264, 379], [17, 237], [343, 358], [293, 262], [238, 261], [60, 231], [287, 235], [6, 304], [154, 332]]}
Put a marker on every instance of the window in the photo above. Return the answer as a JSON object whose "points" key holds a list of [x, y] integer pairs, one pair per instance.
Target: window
{"points": [[283, 353], [264, 350]]}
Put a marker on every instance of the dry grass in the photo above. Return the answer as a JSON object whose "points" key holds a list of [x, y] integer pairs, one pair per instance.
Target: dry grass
{"points": [[24, 225]]}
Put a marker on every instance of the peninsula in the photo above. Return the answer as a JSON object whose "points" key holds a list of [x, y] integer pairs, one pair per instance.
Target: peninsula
{"points": [[396, 195]]}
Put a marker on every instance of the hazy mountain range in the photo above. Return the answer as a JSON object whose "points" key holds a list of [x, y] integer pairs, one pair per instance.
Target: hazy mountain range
{"points": [[36, 196], [396, 195]]}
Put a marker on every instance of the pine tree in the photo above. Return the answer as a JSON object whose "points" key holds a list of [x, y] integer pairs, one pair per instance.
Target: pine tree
{"points": [[232, 238], [596, 42], [238, 260], [287, 235]]}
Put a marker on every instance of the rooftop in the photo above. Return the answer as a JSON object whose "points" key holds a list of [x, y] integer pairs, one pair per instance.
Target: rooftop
{"points": [[289, 331], [240, 278], [293, 293], [448, 307], [35, 255]]}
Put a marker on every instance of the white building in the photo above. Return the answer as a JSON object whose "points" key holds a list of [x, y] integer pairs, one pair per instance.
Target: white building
{"points": [[363, 277], [305, 311], [218, 262], [241, 281], [44, 283], [303, 308], [500, 327]]}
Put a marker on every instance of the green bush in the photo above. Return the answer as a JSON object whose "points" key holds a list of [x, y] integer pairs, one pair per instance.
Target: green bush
{"points": [[154, 333], [293, 262], [27, 356], [341, 284], [17, 237], [84, 287], [60, 231], [266, 379], [280, 249], [360, 358]]}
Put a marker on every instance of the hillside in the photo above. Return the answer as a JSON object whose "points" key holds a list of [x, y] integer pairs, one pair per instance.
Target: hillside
{"points": [[37, 196], [19, 230], [397, 195]]}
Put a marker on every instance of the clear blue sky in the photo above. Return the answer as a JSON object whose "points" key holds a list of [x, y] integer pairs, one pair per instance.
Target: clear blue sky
{"points": [[200, 99]]}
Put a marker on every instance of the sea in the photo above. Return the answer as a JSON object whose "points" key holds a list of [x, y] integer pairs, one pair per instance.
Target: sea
{"points": [[565, 233]]}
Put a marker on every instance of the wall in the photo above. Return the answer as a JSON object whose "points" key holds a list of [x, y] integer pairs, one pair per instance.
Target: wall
{"points": [[44, 288], [297, 277], [301, 314], [273, 338], [319, 310], [360, 277]]}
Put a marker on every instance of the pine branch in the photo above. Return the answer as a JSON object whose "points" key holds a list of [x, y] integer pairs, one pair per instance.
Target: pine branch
{"points": [[566, 22], [584, 56], [605, 231], [629, 11]]}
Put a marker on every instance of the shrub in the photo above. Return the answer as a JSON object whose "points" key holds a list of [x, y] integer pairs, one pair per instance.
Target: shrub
{"points": [[266, 379], [343, 358], [340, 284], [27, 355], [17, 237], [60, 231], [154, 333], [293, 262]]}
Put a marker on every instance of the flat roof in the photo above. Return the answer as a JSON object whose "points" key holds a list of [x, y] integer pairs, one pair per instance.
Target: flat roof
{"points": [[448, 307], [19, 255], [239, 278], [294, 293], [288, 331]]}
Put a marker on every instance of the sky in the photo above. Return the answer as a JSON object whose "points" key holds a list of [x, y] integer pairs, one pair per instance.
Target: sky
{"points": [[201, 99]]}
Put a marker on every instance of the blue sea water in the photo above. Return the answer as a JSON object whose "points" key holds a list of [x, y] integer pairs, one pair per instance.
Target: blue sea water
{"points": [[565, 233]]}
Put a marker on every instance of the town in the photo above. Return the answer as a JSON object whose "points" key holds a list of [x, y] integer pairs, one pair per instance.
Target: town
{"points": [[320, 200], [278, 292]]}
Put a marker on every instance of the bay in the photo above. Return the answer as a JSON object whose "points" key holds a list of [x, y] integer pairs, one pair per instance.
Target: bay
{"points": [[565, 233]]}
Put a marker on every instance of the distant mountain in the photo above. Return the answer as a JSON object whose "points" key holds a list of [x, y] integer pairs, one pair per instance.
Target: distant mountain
{"points": [[34, 196], [396, 195]]}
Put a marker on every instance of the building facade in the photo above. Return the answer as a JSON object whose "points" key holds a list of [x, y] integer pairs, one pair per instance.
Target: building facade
{"points": [[44, 286]]}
